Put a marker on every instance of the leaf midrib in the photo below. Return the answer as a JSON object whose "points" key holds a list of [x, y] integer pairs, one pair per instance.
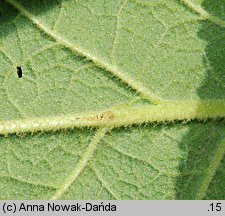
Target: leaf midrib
{"points": [[120, 116]]}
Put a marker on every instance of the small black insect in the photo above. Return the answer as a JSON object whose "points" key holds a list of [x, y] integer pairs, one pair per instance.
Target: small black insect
{"points": [[19, 72]]}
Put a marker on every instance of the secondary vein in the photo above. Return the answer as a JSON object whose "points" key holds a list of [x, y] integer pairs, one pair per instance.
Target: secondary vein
{"points": [[122, 75], [80, 165], [211, 170], [103, 182], [203, 13]]}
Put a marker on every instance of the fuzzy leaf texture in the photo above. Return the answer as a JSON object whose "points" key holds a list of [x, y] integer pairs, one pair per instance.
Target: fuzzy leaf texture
{"points": [[121, 99]]}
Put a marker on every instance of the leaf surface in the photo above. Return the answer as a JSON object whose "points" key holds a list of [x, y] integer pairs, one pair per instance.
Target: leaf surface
{"points": [[118, 99]]}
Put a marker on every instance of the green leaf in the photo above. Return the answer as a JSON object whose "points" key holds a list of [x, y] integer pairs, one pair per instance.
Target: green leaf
{"points": [[117, 99]]}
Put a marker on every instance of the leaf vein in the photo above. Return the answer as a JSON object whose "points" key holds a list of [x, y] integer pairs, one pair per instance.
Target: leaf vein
{"points": [[82, 163], [103, 182], [211, 170], [203, 13], [124, 77]]}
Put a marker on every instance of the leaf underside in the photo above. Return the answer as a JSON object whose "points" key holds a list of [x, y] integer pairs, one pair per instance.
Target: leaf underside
{"points": [[133, 91]]}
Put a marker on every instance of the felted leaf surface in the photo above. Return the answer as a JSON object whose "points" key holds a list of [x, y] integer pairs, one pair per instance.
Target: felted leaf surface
{"points": [[120, 99]]}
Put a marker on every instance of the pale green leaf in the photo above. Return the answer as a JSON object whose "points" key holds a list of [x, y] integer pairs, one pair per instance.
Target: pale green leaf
{"points": [[120, 99]]}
